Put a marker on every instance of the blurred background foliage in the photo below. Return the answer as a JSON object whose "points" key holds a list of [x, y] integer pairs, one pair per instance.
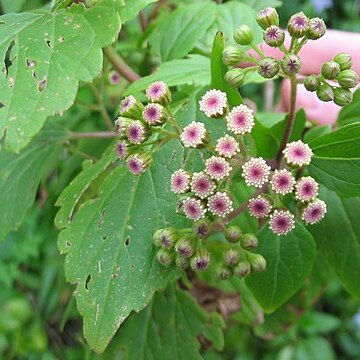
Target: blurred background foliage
{"points": [[38, 315]]}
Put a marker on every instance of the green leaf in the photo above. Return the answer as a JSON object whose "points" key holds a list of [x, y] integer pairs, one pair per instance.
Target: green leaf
{"points": [[131, 8], [316, 132], [177, 34], [260, 4], [21, 174], [110, 256], [311, 348], [168, 328], [350, 113], [65, 49], [193, 70], [338, 236], [336, 161], [315, 322], [289, 260]]}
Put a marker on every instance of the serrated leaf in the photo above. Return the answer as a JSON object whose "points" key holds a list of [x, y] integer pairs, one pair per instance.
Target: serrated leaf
{"points": [[65, 49], [350, 113], [21, 174], [131, 8], [289, 260], [338, 236]]}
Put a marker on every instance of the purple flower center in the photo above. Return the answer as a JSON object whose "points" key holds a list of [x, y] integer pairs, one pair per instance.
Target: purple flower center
{"points": [[259, 207], [155, 90], [135, 166], [219, 205], [202, 264], [240, 120], [283, 181], [212, 102], [273, 34], [152, 113], [300, 21]]}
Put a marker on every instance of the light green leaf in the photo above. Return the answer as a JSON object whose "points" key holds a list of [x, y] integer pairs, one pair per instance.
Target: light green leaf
{"points": [[260, 4], [65, 49], [289, 260], [311, 348], [350, 113], [315, 322], [132, 7], [338, 236], [21, 174]]}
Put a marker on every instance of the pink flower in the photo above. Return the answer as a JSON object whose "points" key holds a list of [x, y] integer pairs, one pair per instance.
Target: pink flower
{"points": [[137, 164], [180, 181], [121, 149], [136, 132], [282, 182], [256, 172], [240, 120], [194, 134], [201, 185], [158, 92], [227, 146], [259, 207], [213, 103], [281, 222], [314, 212], [193, 208], [220, 204], [306, 189], [298, 153], [217, 168], [154, 114]]}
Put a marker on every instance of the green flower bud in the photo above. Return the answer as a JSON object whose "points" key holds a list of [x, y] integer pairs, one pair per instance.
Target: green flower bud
{"points": [[267, 17], [312, 83], [159, 92], [290, 64], [121, 124], [249, 241], [232, 55], [325, 92], [257, 262], [235, 77], [316, 29], [200, 261], [243, 35], [342, 96], [201, 228], [164, 257], [330, 70], [185, 247], [344, 61], [242, 269], [274, 36], [231, 257], [298, 25], [165, 238], [268, 67], [182, 262], [223, 272], [233, 234], [348, 79], [131, 107]]}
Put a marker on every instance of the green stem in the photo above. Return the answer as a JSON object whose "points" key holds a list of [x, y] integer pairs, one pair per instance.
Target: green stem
{"points": [[242, 146], [93, 135], [102, 108], [258, 51]]}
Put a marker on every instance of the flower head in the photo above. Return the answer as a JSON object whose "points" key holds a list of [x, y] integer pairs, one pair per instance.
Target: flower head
{"points": [[259, 207], [240, 120], [114, 77], [138, 163], [217, 167], [185, 247], [306, 189], [317, 28], [165, 238], [194, 134], [193, 208], [131, 107], [121, 124], [274, 36], [200, 261], [179, 181], [282, 182], [267, 17], [213, 103], [227, 146], [298, 25], [268, 67], [121, 149], [201, 185], [298, 153], [158, 92], [314, 212], [154, 114], [256, 172], [136, 132], [281, 222], [220, 204]]}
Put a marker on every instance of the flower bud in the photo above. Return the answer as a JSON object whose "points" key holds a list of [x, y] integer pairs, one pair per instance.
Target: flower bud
{"points": [[235, 77], [312, 83], [330, 70], [185, 247], [290, 64], [232, 55], [164, 257], [138, 163], [233, 234], [223, 272], [242, 269], [325, 92], [249, 241], [114, 77], [316, 29], [121, 124], [298, 25], [165, 238], [159, 92], [348, 79], [274, 36], [182, 262], [267, 17], [342, 96], [268, 67], [243, 35], [231, 257], [257, 262], [344, 61], [131, 107], [201, 260], [201, 228]]}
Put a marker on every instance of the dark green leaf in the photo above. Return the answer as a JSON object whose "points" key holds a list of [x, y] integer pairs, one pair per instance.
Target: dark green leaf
{"points": [[315, 322], [311, 348], [350, 113]]}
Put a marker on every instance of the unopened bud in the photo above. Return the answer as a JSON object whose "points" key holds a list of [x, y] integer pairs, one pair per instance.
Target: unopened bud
{"points": [[325, 92], [249, 241], [232, 55], [267, 17], [268, 67], [235, 77], [201, 228], [121, 124], [231, 257], [131, 107], [348, 79], [274, 36], [165, 238], [344, 61], [342, 96], [159, 92], [114, 77], [257, 262], [298, 25], [182, 262], [201, 260], [316, 29], [138, 163], [330, 70], [165, 257], [312, 83], [243, 35], [185, 247], [290, 64], [242, 269], [223, 272], [233, 234]]}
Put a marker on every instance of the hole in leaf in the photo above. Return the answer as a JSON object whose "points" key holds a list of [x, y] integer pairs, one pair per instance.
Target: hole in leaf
{"points": [[7, 60], [132, 266], [30, 64], [48, 43], [104, 237], [127, 241], [41, 85], [87, 281], [68, 244], [61, 39]]}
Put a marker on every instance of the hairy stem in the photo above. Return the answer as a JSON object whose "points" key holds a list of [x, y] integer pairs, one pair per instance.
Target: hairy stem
{"points": [[99, 99], [93, 135]]}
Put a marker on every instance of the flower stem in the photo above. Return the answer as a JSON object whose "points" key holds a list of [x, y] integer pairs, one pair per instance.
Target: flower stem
{"points": [[94, 135]]}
